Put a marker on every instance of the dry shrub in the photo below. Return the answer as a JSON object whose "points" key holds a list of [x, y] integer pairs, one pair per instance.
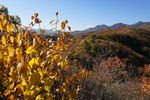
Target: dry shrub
{"points": [[145, 81], [111, 69]]}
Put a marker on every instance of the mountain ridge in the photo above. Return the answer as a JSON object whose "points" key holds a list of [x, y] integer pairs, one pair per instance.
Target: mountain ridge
{"points": [[114, 26]]}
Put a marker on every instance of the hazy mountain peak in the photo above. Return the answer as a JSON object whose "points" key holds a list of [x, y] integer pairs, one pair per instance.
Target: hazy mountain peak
{"points": [[114, 26]]}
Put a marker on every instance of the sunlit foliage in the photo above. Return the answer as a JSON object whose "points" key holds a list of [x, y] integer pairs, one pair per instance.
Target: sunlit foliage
{"points": [[33, 67]]}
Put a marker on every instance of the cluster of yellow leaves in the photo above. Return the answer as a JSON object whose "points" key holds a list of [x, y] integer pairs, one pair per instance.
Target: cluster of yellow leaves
{"points": [[5, 25], [34, 67]]}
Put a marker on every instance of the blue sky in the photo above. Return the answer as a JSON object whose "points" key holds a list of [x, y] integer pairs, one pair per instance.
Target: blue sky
{"points": [[81, 14]]}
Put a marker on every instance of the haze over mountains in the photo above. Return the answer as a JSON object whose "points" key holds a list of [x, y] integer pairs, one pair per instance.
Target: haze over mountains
{"points": [[140, 24], [117, 25]]}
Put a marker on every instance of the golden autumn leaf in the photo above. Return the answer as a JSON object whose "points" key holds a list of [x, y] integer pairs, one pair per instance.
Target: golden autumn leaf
{"points": [[30, 50], [3, 39], [4, 22], [6, 58], [55, 58], [18, 40], [22, 67], [12, 97], [10, 27], [1, 26], [2, 16], [34, 62], [36, 14], [24, 82], [11, 86], [18, 86], [11, 51], [7, 92], [63, 25], [1, 56], [19, 27], [35, 79], [13, 75], [36, 43], [64, 63], [18, 51], [31, 62], [12, 39]]}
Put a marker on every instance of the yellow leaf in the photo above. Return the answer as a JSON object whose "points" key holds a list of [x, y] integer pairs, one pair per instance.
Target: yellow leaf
{"points": [[6, 58], [19, 27], [4, 22], [4, 39], [18, 51], [64, 63], [7, 92], [18, 86], [2, 16], [11, 51], [22, 67], [34, 62], [12, 39], [39, 97], [35, 14], [24, 82], [30, 50], [12, 97], [35, 78], [11, 86], [1, 56], [10, 27], [36, 43], [63, 25], [56, 58], [31, 62], [13, 74], [43, 64], [19, 39], [1, 26]]}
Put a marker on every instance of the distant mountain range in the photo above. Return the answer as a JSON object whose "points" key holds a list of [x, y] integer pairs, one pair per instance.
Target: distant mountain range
{"points": [[143, 25], [118, 25]]}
